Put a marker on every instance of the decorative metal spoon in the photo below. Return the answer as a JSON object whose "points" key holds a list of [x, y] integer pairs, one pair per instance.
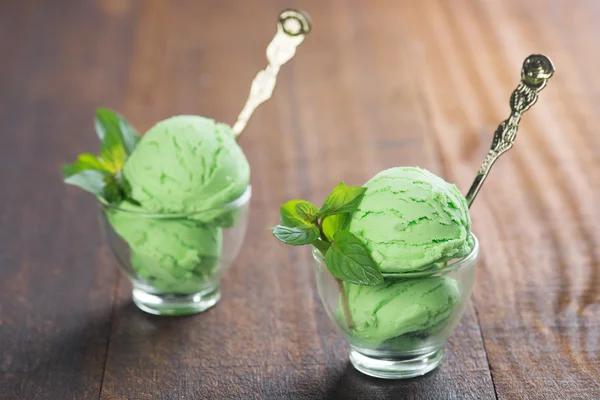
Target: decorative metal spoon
{"points": [[537, 69], [292, 27]]}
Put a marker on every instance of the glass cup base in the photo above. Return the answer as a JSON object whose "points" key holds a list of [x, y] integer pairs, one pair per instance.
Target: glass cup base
{"points": [[396, 367], [175, 304]]}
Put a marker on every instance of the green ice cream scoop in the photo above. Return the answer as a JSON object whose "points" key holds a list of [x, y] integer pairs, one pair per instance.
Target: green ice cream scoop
{"points": [[410, 218], [187, 164], [173, 255], [393, 309]]}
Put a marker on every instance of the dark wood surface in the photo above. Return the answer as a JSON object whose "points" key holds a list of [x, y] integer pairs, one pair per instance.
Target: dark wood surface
{"points": [[377, 84]]}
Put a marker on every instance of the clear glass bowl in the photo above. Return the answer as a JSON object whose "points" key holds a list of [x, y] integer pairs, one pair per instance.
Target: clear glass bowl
{"points": [[175, 261], [398, 329]]}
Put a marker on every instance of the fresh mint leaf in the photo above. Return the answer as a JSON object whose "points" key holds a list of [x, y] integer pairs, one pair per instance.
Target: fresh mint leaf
{"points": [[321, 245], [126, 188], [296, 236], [85, 161], [89, 180], [297, 213], [113, 193], [307, 210], [109, 122], [349, 260], [334, 223], [113, 154], [343, 199], [118, 139]]}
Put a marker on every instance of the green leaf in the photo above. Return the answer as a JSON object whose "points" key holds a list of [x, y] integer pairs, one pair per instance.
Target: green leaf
{"points": [[85, 161], [109, 122], [89, 180], [113, 193], [297, 213], [118, 139], [343, 199], [296, 236], [125, 188], [349, 260], [113, 154], [307, 210], [321, 245], [335, 223]]}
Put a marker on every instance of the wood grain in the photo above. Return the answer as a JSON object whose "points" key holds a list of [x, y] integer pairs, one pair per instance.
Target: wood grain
{"points": [[56, 281], [537, 293], [377, 84]]}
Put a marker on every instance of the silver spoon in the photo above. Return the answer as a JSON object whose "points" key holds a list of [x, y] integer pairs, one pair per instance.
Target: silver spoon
{"points": [[537, 69], [292, 27]]}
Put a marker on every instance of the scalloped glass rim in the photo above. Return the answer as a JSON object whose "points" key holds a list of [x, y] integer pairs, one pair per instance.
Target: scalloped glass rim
{"points": [[452, 265], [237, 203]]}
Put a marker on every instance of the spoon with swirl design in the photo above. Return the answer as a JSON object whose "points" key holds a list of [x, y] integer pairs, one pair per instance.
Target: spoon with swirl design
{"points": [[537, 69], [292, 27]]}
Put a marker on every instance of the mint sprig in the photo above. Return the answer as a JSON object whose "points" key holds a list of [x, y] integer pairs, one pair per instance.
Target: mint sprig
{"points": [[343, 199], [349, 260], [296, 236], [322, 245], [335, 223], [90, 180], [115, 133], [306, 210], [85, 161], [100, 175], [296, 213], [326, 228]]}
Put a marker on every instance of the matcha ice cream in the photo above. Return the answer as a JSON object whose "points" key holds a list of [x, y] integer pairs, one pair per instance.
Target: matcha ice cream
{"points": [[186, 164], [410, 218], [173, 255], [414, 307], [183, 170]]}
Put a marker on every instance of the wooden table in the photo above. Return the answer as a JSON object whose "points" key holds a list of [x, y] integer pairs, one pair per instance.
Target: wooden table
{"points": [[377, 84]]}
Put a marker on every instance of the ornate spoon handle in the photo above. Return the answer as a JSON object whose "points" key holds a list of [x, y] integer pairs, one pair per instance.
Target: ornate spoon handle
{"points": [[537, 69], [292, 27]]}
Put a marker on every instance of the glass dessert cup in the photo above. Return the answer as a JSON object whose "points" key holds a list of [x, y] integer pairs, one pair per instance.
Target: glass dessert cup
{"points": [[175, 261], [398, 329]]}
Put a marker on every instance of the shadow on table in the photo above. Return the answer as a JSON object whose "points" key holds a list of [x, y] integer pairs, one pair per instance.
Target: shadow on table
{"points": [[132, 327], [63, 353], [69, 351], [351, 384]]}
